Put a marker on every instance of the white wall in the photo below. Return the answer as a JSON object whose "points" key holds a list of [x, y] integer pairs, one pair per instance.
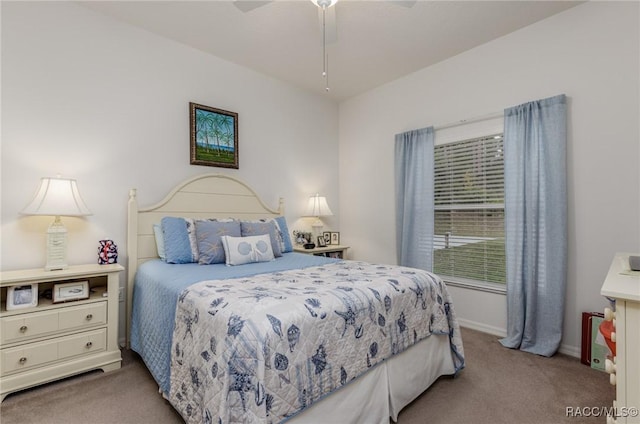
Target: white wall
{"points": [[590, 53], [103, 102]]}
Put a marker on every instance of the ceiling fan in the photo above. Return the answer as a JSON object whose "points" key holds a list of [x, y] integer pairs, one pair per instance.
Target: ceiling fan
{"points": [[327, 17], [330, 14]]}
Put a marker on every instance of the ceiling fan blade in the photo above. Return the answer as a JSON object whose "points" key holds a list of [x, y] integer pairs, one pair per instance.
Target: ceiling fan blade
{"points": [[330, 24], [404, 3], [249, 5]]}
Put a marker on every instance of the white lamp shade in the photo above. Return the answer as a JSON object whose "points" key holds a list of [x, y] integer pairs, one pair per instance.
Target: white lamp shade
{"points": [[318, 206], [57, 197]]}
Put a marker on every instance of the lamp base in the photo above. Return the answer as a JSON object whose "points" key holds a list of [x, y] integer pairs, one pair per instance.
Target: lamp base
{"points": [[56, 246], [317, 229]]}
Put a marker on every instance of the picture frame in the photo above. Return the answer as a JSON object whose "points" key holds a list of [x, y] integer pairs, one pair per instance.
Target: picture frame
{"points": [[327, 237], [321, 241], [335, 238], [22, 296], [213, 136], [66, 292], [301, 238]]}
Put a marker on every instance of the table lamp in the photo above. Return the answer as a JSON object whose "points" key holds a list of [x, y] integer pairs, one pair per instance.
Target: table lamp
{"points": [[57, 197], [317, 207]]}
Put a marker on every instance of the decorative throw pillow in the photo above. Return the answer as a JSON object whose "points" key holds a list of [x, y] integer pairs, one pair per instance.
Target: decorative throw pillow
{"points": [[157, 232], [255, 228], [191, 232], [283, 234], [177, 247], [244, 250], [208, 236]]}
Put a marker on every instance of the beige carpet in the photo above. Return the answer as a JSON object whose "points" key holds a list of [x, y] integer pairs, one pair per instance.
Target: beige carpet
{"points": [[498, 385]]}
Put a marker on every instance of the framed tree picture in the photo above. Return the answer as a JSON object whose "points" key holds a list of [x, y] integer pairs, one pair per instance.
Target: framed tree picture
{"points": [[214, 136]]}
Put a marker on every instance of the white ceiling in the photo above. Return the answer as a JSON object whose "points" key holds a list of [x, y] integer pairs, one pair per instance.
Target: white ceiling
{"points": [[377, 41]]}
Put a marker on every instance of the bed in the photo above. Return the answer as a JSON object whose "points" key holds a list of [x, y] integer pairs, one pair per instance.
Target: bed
{"points": [[300, 338]]}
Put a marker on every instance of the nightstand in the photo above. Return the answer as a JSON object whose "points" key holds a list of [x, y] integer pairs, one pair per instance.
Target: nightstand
{"points": [[50, 341], [331, 251]]}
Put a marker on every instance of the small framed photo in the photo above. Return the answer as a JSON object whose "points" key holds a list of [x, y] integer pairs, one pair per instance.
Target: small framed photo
{"points": [[321, 241], [302, 238], [335, 238], [65, 292], [25, 296], [327, 237]]}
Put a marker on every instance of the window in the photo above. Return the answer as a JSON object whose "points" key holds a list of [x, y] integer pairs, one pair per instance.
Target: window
{"points": [[469, 210]]}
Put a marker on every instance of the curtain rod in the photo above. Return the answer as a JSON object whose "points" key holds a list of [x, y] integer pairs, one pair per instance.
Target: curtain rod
{"points": [[470, 120]]}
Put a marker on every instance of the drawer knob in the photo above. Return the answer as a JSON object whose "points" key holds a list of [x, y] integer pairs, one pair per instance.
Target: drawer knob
{"points": [[23, 360], [23, 329], [89, 317], [88, 345], [610, 366], [609, 314]]}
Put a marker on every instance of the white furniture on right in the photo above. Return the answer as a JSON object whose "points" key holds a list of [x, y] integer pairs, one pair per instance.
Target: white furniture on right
{"points": [[623, 287]]}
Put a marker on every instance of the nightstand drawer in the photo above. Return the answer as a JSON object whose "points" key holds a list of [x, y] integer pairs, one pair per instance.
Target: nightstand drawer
{"points": [[83, 316], [91, 341], [27, 326], [35, 354]]}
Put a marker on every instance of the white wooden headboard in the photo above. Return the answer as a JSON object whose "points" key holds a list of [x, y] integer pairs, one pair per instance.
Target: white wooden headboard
{"points": [[204, 196]]}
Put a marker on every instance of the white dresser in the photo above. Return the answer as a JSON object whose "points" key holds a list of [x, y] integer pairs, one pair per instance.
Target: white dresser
{"points": [[54, 340], [623, 287]]}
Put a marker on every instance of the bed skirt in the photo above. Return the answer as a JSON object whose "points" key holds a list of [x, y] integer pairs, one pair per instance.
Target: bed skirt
{"points": [[384, 390]]}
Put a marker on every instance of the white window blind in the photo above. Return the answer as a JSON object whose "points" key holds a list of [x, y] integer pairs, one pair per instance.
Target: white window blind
{"points": [[469, 210]]}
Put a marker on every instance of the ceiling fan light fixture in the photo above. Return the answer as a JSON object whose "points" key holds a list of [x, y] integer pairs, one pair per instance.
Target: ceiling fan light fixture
{"points": [[324, 3]]}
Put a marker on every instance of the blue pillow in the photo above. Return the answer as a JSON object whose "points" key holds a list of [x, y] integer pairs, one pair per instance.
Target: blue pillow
{"points": [[177, 248], [208, 236], [256, 228]]}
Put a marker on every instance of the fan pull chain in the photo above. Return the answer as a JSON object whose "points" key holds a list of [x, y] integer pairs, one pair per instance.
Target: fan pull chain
{"points": [[325, 56], [326, 78]]}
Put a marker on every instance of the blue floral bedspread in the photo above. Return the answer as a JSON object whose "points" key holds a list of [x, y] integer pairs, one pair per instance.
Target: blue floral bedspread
{"points": [[263, 348]]}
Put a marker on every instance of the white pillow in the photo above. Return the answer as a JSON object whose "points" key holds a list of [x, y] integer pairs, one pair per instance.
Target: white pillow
{"points": [[245, 250], [157, 231]]}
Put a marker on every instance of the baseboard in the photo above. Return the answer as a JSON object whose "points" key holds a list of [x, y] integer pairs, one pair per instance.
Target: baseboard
{"points": [[489, 329], [569, 350]]}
